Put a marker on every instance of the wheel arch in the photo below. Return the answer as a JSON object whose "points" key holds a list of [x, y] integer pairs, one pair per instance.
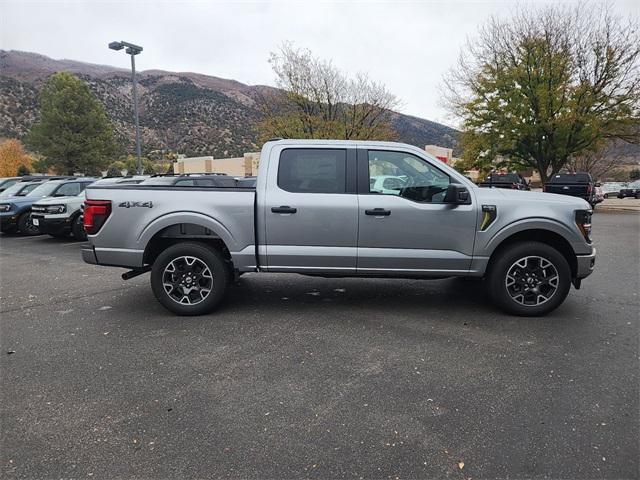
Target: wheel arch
{"points": [[175, 233], [548, 237]]}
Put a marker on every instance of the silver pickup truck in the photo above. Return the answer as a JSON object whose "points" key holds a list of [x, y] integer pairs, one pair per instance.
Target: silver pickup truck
{"points": [[342, 208]]}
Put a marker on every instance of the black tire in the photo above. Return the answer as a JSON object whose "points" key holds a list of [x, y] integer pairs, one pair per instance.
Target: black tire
{"points": [[77, 228], [524, 284], [26, 226], [218, 269]]}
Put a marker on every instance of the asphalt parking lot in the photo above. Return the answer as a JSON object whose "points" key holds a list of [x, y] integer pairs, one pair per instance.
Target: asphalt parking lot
{"points": [[323, 378]]}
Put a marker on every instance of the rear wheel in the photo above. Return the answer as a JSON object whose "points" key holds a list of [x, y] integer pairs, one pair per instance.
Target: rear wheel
{"points": [[190, 278], [529, 279], [26, 226]]}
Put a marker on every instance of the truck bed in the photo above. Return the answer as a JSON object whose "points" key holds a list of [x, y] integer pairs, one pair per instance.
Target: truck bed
{"points": [[154, 211]]}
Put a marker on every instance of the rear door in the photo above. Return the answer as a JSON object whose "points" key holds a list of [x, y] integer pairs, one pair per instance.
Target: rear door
{"points": [[311, 209], [405, 226]]}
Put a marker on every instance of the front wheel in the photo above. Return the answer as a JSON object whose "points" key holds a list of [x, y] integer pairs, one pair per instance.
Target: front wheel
{"points": [[529, 279], [190, 278], [26, 226]]}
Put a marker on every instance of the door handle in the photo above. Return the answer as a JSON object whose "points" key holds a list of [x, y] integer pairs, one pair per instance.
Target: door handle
{"points": [[283, 209], [378, 212]]}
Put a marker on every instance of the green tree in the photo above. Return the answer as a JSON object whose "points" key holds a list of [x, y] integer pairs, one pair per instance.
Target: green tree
{"points": [[74, 133], [23, 170], [115, 169], [131, 165], [546, 86]]}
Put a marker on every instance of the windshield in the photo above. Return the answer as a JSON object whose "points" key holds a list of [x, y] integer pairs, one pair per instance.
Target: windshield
{"points": [[44, 190], [19, 189]]}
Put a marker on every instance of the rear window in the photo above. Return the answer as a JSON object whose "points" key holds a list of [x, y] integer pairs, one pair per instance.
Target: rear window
{"points": [[571, 178], [313, 170]]}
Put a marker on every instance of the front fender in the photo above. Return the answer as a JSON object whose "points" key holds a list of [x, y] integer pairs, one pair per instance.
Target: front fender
{"points": [[488, 241]]}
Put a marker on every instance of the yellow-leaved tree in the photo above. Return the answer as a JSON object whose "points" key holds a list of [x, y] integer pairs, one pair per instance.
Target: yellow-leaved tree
{"points": [[13, 157]]}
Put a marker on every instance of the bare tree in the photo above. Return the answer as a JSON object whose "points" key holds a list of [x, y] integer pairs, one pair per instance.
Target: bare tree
{"points": [[547, 85], [316, 100]]}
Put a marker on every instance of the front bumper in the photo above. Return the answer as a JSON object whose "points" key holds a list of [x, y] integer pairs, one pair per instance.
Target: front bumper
{"points": [[585, 264], [52, 225], [89, 254], [8, 221]]}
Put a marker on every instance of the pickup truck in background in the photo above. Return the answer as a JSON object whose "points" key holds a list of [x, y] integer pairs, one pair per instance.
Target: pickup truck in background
{"points": [[579, 184], [316, 210], [512, 181]]}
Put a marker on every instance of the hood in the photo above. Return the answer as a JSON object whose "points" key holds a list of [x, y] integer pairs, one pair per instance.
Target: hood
{"points": [[501, 194], [20, 200], [58, 200]]}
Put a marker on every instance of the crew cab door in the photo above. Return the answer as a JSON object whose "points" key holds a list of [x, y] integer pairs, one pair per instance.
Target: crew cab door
{"points": [[311, 210], [405, 226]]}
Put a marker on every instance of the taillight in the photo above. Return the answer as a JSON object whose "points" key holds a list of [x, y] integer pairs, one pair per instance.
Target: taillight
{"points": [[96, 213], [589, 188], [583, 221]]}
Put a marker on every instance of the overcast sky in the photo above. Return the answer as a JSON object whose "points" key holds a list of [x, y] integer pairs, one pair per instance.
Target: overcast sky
{"points": [[408, 45]]}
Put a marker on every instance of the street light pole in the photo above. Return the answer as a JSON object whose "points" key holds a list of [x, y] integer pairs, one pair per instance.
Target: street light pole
{"points": [[135, 111], [133, 50]]}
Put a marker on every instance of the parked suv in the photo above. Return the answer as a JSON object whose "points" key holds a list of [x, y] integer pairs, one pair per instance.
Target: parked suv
{"points": [[61, 216], [15, 212], [6, 182], [20, 189]]}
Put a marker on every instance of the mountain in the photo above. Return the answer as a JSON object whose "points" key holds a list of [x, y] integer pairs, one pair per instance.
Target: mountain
{"points": [[186, 112]]}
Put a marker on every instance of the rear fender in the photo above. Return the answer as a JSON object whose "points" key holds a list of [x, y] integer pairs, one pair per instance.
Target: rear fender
{"points": [[216, 228]]}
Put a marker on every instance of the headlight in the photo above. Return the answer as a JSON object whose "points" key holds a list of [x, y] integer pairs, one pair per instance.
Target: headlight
{"points": [[583, 221], [56, 208], [5, 207]]}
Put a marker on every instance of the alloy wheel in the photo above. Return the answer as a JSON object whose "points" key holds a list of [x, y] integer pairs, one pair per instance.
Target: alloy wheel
{"points": [[532, 281], [187, 280]]}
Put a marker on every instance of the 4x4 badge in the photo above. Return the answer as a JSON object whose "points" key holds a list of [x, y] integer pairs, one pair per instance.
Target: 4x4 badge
{"points": [[136, 204]]}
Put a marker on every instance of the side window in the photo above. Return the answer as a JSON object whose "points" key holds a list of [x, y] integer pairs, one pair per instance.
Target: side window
{"points": [[68, 189], [312, 170], [405, 175]]}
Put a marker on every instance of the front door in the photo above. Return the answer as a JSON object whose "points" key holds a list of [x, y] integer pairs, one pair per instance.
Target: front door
{"points": [[311, 213], [405, 226]]}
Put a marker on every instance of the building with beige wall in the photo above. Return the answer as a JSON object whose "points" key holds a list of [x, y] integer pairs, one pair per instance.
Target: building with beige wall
{"points": [[246, 165], [443, 154]]}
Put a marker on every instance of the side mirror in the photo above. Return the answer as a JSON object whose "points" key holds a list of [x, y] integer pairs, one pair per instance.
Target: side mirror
{"points": [[598, 184], [457, 194]]}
